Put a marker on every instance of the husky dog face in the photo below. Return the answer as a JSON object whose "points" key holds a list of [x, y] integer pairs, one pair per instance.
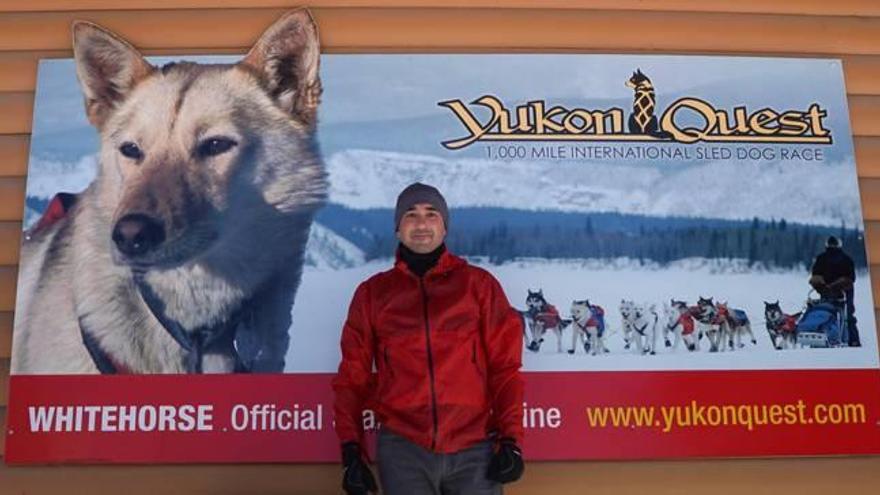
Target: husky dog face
{"points": [[707, 307], [772, 311], [627, 309], [581, 310], [535, 300], [193, 156]]}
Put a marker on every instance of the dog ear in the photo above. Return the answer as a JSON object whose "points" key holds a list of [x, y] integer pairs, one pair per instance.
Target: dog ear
{"points": [[107, 67], [287, 57]]}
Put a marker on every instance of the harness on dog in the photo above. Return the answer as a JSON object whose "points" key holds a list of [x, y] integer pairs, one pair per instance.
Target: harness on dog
{"points": [[58, 207], [687, 323], [722, 315], [597, 320], [641, 331], [739, 317], [198, 342], [788, 324], [705, 317], [549, 318], [105, 364]]}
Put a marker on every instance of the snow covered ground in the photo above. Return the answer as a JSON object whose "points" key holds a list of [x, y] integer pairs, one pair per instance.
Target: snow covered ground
{"points": [[323, 298]]}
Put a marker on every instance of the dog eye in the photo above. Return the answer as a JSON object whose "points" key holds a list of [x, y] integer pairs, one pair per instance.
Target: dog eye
{"points": [[131, 150], [215, 146]]}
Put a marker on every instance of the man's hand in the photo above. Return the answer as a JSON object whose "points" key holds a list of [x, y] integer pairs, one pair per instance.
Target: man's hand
{"points": [[506, 464], [357, 479]]}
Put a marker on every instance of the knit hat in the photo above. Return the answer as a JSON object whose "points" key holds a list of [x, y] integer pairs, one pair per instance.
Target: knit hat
{"points": [[833, 242], [417, 193]]}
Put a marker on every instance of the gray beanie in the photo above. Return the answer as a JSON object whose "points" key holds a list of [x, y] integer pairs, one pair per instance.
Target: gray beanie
{"points": [[417, 193]]}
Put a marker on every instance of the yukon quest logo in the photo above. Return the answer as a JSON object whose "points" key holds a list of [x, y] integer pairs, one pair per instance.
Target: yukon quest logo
{"points": [[686, 120]]}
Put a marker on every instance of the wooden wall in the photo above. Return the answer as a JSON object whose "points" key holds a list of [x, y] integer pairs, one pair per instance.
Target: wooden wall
{"points": [[849, 29]]}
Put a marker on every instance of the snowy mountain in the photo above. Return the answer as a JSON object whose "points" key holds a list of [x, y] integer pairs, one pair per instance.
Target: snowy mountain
{"points": [[326, 250], [799, 191], [814, 193], [47, 177]]}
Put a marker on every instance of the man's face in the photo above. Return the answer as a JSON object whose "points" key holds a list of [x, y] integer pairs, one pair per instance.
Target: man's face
{"points": [[421, 228]]}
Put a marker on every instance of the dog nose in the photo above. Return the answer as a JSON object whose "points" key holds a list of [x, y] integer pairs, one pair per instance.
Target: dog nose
{"points": [[137, 234]]}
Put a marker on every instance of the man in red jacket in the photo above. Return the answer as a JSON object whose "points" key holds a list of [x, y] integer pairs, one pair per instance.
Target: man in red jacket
{"points": [[448, 348]]}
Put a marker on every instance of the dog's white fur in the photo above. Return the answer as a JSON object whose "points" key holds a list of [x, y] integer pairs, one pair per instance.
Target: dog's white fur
{"points": [[581, 312], [639, 325], [237, 222], [672, 313]]}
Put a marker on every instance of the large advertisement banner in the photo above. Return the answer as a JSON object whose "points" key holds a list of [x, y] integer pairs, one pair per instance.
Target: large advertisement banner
{"points": [[193, 239]]}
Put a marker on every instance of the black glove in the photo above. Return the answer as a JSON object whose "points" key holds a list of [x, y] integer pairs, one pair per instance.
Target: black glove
{"points": [[357, 479], [506, 464]]}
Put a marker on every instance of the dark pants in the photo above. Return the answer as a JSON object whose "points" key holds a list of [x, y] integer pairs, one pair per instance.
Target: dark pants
{"points": [[851, 319], [408, 469], [851, 337]]}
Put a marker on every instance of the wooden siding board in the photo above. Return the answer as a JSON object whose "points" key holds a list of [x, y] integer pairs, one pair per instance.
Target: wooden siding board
{"points": [[10, 243], [454, 28], [14, 149], [797, 7]]}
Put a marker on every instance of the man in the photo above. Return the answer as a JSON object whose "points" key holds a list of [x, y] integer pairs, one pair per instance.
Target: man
{"points": [[447, 347], [833, 276]]}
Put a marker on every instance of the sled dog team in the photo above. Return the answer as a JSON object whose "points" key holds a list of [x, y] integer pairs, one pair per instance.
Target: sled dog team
{"points": [[711, 325]]}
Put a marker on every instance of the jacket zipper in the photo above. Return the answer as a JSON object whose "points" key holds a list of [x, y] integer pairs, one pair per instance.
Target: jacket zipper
{"points": [[474, 359], [387, 361], [430, 361]]}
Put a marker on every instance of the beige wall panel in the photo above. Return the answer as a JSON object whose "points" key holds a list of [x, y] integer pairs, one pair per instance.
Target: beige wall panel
{"points": [[864, 114], [870, 190], [2, 437], [861, 74], [867, 156], [8, 276], [872, 242], [713, 477], [4, 383], [18, 70], [11, 198], [800, 7], [16, 109], [5, 334], [10, 243], [14, 155], [496, 28]]}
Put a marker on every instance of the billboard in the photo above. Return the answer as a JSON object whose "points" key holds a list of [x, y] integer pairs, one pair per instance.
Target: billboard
{"points": [[189, 253]]}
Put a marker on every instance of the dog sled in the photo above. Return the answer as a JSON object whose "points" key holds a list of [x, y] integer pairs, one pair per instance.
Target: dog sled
{"points": [[823, 323]]}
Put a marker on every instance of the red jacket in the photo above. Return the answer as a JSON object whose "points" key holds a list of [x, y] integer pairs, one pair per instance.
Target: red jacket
{"points": [[448, 349]]}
